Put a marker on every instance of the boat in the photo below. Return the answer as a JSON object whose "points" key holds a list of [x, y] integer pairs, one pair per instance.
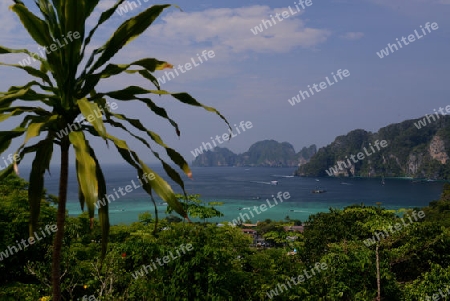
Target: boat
{"points": [[274, 182], [382, 181], [318, 190]]}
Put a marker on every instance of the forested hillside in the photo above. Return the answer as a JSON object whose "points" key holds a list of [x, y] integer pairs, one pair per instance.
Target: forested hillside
{"points": [[417, 148]]}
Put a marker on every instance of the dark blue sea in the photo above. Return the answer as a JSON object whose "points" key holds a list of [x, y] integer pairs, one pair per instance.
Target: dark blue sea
{"points": [[240, 189]]}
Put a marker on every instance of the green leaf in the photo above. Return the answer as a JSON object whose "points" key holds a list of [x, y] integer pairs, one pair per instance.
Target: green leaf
{"points": [[103, 18], [174, 156], [7, 136], [41, 162], [36, 27], [103, 211], [91, 80], [163, 189], [5, 50], [33, 72], [25, 93], [86, 173], [129, 94], [33, 131], [74, 23], [90, 6], [49, 14], [89, 109], [128, 31], [169, 170], [159, 185], [188, 99]]}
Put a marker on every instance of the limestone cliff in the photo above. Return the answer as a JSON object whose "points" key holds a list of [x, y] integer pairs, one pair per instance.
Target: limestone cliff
{"points": [[268, 153], [414, 150]]}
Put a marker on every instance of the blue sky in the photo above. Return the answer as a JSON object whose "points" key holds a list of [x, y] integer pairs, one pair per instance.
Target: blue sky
{"points": [[251, 77]]}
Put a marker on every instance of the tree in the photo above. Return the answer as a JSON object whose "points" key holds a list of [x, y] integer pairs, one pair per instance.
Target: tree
{"points": [[193, 206], [14, 214], [64, 87]]}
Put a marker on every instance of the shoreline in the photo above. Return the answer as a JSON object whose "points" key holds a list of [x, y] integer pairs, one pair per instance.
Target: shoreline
{"points": [[378, 177]]}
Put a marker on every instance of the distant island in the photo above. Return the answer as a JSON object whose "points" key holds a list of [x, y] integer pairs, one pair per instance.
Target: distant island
{"points": [[267, 153], [416, 148]]}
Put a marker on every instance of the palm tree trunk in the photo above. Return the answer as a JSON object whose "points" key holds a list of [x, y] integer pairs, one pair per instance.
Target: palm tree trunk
{"points": [[60, 220], [378, 275]]}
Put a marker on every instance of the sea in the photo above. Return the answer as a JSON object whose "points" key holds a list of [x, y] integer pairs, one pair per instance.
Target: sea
{"points": [[242, 188]]}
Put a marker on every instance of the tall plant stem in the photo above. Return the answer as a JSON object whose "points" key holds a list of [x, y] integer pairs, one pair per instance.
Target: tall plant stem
{"points": [[60, 220]]}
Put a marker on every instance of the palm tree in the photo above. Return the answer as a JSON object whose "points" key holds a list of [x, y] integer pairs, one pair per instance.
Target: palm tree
{"points": [[63, 89]]}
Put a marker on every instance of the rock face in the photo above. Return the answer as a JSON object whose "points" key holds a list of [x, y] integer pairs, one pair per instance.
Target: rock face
{"points": [[412, 151], [268, 153], [437, 149], [217, 157]]}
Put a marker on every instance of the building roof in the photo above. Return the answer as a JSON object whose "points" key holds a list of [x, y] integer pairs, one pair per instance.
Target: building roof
{"points": [[294, 228]]}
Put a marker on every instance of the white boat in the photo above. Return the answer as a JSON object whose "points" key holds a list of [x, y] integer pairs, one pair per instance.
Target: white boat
{"points": [[274, 182]]}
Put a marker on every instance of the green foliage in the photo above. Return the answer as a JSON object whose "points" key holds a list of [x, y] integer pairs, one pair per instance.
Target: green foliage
{"points": [[352, 223], [145, 218], [414, 261], [63, 88], [14, 217], [193, 206], [429, 284]]}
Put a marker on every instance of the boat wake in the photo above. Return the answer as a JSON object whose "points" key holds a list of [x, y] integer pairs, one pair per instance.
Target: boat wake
{"points": [[267, 183]]}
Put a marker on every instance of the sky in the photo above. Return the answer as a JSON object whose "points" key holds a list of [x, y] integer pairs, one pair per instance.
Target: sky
{"points": [[251, 77]]}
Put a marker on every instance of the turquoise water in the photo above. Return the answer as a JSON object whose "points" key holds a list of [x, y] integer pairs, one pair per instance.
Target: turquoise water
{"points": [[240, 187]]}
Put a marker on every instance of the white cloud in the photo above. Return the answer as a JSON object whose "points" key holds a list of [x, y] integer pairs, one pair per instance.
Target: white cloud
{"points": [[229, 28], [352, 35], [8, 22]]}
